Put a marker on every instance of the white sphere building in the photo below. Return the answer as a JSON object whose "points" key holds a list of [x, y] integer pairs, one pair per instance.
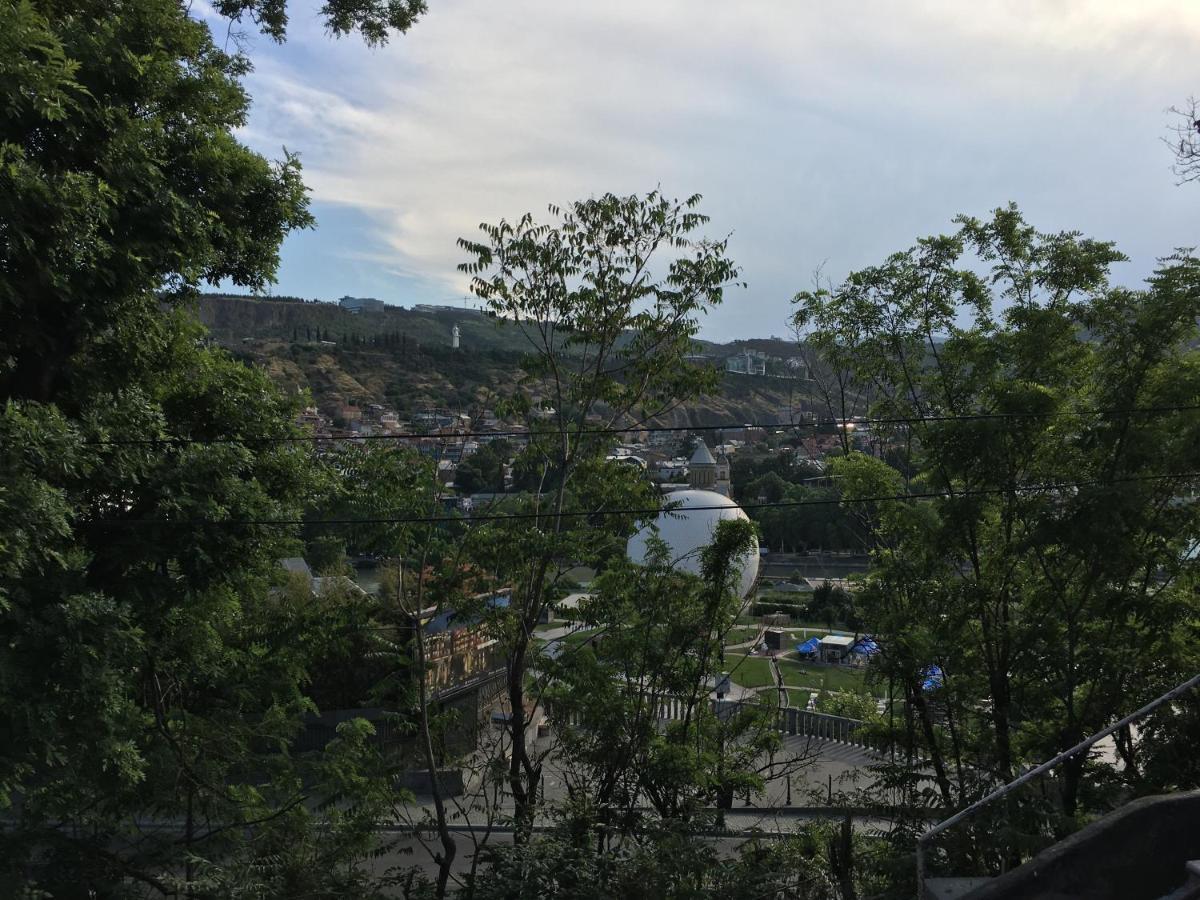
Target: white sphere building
{"points": [[689, 528]]}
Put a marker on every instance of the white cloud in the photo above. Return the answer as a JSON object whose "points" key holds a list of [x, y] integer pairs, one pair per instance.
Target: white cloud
{"points": [[816, 131]]}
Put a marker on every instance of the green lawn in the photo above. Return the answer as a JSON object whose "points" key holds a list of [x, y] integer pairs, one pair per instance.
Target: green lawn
{"points": [[797, 674], [578, 637], [798, 699], [755, 671], [749, 671], [740, 634], [840, 678], [825, 677]]}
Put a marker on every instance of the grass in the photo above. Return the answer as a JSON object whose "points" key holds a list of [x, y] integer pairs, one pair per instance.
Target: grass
{"points": [[797, 674], [749, 671], [834, 678], [578, 637], [840, 678], [740, 634], [825, 677], [813, 628], [798, 699], [755, 671]]}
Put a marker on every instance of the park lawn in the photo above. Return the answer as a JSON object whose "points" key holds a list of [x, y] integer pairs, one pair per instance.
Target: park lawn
{"points": [[825, 677], [740, 634], [800, 674], [798, 699], [749, 671], [578, 637], [842, 678]]}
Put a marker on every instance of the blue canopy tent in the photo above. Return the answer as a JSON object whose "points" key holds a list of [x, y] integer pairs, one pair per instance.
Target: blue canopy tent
{"points": [[933, 678], [809, 647], [866, 646]]}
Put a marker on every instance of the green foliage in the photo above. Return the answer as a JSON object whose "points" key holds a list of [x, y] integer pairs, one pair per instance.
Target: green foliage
{"points": [[661, 639], [152, 674], [482, 471], [789, 478], [373, 19], [1050, 578], [583, 291], [667, 862], [608, 340], [833, 605], [853, 706], [104, 208]]}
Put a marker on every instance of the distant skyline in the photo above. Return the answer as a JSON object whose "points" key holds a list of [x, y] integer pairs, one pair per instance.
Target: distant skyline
{"points": [[820, 136]]}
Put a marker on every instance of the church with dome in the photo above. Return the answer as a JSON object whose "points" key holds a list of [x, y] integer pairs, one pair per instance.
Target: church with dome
{"points": [[708, 473], [688, 528]]}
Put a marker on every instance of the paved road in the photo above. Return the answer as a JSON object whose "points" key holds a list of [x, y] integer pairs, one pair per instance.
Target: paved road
{"points": [[833, 766]]}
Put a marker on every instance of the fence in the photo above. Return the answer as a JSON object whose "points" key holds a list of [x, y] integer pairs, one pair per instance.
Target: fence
{"points": [[821, 726]]}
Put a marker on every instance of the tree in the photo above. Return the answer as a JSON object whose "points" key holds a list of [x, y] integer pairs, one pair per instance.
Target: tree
{"points": [[150, 673], [608, 296], [832, 604], [103, 209], [641, 794], [373, 19], [1184, 141], [1052, 418], [483, 470], [661, 634]]}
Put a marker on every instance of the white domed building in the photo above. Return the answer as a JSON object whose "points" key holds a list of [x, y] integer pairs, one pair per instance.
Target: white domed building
{"points": [[689, 527]]}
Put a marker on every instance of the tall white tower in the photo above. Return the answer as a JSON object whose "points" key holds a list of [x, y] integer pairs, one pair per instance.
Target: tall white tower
{"points": [[454, 337]]}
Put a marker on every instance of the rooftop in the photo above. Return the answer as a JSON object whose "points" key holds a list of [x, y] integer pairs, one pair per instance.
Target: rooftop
{"points": [[838, 640], [703, 456]]}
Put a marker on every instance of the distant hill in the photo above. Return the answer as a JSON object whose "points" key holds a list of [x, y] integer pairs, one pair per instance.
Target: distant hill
{"points": [[234, 318], [402, 358]]}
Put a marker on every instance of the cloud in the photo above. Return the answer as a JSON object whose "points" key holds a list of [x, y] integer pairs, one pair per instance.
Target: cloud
{"points": [[816, 131]]}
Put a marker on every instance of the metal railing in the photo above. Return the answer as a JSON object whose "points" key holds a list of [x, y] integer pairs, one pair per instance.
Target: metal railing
{"points": [[1003, 791]]}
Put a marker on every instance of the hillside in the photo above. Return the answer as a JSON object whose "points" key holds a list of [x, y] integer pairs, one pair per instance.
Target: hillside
{"points": [[402, 358]]}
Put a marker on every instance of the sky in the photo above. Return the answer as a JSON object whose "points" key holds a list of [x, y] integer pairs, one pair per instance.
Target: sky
{"points": [[823, 136]]}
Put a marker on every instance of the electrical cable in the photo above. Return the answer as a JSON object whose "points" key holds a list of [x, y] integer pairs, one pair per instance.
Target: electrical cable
{"points": [[651, 429], [641, 512]]}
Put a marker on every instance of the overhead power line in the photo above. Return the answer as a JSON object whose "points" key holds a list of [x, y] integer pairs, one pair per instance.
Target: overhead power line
{"points": [[650, 429], [645, 512]]}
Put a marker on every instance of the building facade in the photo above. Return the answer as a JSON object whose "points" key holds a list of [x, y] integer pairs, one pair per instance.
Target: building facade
{"points": [[748, 362], [356, 305]]}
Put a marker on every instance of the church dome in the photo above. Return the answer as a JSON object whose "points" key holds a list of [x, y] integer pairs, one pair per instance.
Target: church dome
{"points": [[689, 528]]}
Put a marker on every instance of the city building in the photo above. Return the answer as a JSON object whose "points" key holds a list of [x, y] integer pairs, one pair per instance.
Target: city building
{"points": [[459, 646], [356, 305], [708, 473], [835, 648], [748, 362]]}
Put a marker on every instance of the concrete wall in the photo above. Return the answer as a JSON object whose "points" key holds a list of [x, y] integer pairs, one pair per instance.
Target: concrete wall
{"points": [[419, 782], [1135, 853]]}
